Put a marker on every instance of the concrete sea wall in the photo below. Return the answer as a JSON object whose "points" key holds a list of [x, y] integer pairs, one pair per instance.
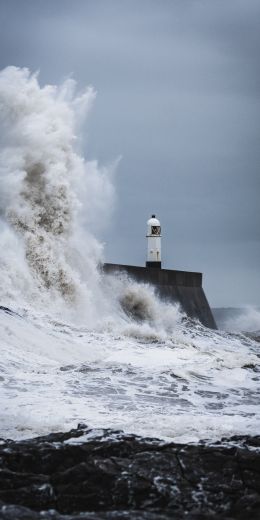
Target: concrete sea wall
{"points": [[182, 287]]}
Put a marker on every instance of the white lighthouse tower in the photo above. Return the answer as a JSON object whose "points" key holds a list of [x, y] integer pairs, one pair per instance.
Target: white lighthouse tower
{"points": [[153, 243]]}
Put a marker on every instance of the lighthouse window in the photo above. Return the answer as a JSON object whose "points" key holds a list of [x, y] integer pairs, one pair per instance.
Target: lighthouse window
{"points": [[156, 230]]}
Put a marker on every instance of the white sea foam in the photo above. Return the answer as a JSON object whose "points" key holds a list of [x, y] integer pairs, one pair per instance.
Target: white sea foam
{"points": [[188, 385], [84, 347]]}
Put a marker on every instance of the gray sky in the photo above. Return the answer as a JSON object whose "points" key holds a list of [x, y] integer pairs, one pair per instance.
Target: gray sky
{"points": [[178, 98]]}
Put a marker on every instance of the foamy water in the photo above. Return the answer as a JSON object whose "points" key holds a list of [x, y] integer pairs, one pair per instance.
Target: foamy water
{"points": [[72, 350], [193, 384]]}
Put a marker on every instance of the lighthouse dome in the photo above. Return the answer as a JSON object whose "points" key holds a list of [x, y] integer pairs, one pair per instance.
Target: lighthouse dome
{"points": [[153, 221]]}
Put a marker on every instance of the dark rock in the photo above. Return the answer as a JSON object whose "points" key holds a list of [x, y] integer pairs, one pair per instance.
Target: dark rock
{"points": [[104, 475]]}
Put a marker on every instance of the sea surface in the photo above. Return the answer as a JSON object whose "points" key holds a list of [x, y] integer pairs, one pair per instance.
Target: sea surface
{"points": [[188, 385]]}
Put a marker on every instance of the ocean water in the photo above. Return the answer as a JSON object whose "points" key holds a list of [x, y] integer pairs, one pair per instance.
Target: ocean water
{"points": [[72, 350], [188, 385]]}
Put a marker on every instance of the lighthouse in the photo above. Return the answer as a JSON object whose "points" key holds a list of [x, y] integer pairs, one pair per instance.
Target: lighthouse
{"points": [[153, 243], [182, 287]]}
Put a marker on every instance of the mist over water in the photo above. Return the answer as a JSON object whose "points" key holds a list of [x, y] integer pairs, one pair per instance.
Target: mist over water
{"points": [[244, 319], [80, 346]]}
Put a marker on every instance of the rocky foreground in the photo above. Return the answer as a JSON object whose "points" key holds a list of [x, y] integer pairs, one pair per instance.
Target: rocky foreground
{"points": [[101, 474]]}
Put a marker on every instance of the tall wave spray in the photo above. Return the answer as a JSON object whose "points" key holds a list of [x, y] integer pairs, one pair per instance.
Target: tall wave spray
{"points": [[42, 176]]}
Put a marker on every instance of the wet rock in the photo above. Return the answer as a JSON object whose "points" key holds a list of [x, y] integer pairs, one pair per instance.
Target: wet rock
{"points": [[102, 474]]}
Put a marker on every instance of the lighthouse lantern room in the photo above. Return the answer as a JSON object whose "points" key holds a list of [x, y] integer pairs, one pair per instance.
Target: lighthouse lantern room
{"points": [[153, 242]]}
